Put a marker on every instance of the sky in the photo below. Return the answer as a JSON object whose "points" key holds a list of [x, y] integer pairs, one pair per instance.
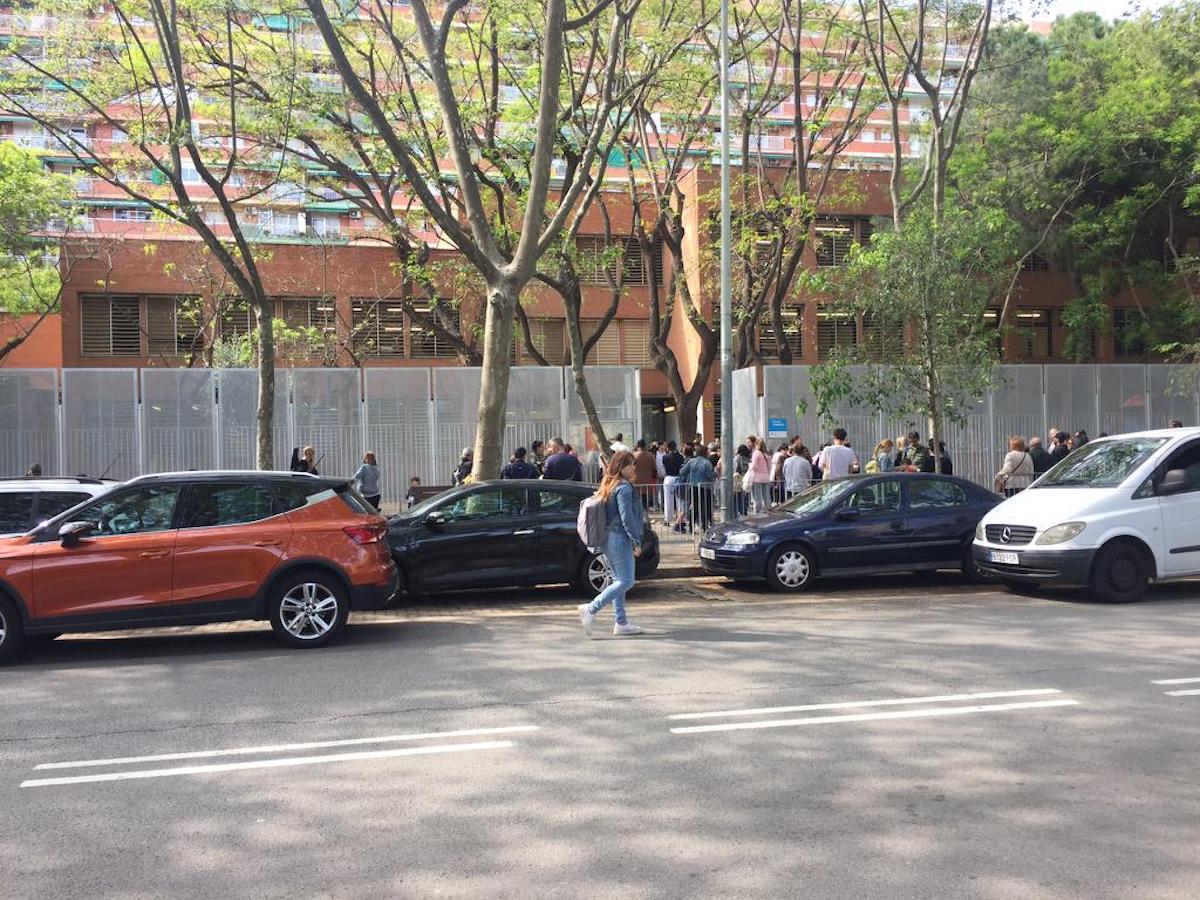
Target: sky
{"points": [[1108, 9]]}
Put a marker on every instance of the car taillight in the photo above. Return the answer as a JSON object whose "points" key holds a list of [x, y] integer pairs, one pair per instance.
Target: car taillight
{"points": [[365, 534]]}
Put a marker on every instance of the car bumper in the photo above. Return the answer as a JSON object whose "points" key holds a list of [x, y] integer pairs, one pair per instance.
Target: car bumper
{"points": [[1066, 567], [741, 565], [375, 596]]}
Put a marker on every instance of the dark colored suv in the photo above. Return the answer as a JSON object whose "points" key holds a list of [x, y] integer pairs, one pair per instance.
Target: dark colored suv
{"points": [[502, 534], [198, 547]]}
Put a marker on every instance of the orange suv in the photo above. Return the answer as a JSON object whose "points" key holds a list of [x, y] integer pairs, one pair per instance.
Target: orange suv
{"points": [[198, 547]]}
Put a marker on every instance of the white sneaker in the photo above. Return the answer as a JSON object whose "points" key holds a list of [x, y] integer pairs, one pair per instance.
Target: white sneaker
{"points": [[626, 629], [587, 617]]}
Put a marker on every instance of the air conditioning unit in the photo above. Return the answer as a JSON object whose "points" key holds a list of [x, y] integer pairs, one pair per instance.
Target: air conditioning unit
{"points": [[355, 214]]}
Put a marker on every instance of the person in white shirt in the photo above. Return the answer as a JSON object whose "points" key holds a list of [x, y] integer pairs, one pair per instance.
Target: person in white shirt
{"points": [[838, 460], [618, 444], [797, 473]]}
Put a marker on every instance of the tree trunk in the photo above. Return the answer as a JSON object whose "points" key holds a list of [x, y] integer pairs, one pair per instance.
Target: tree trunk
{"points": [[579, 376], [686, 409], [265, 415], [493, 387]]}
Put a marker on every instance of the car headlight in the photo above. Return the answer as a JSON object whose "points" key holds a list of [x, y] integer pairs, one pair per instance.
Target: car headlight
{"points": [[980, 534], [1061, 533], [741, 539]]}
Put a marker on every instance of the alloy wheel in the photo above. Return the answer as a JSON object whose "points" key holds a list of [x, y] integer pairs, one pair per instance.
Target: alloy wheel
{"points": [[599, 573], [792, 569], [3, 628], [308, 611]]}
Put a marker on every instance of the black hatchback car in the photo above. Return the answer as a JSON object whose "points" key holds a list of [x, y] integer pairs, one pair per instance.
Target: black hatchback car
{"points": [[502, 534], [862, 525]]}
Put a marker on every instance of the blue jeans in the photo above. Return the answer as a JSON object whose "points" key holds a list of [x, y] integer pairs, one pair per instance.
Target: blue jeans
{"points": [[619, 551]]}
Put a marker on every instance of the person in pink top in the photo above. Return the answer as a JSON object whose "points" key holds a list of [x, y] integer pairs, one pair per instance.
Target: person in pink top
{"points": [[760, 478]]}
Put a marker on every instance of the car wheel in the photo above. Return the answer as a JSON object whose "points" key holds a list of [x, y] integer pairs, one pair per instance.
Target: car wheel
{"points": [[12, 629], [790, 569], [1119, 574], [594, 575], [308, 609], [1024, 588], [972, 572]]}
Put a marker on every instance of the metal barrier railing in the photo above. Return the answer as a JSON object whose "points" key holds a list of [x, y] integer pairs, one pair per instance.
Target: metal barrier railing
{"points": [[680, 512]]}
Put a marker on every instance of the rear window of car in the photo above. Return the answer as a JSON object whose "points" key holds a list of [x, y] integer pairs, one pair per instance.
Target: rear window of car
{"points": [[16, 509], [51, 503], [211, 505], [935, 494], [558, 501], [353, 499]]}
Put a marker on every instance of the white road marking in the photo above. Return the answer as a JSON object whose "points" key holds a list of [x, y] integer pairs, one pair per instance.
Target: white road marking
{"points": [[1177, 681], [874, 717], [287, 748], [1189, 693], [858, 704], [266, 763]]}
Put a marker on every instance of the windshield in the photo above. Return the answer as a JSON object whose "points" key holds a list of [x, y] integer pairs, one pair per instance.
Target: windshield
{"points": [[1101, 463], [818, 497]]}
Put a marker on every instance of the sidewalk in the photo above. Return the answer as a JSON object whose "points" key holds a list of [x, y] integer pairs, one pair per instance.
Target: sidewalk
{"points": [[678, 560]]}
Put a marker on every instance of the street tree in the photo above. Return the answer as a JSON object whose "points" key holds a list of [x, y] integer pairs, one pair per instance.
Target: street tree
{"points": [[160, 78], [440, 122]]}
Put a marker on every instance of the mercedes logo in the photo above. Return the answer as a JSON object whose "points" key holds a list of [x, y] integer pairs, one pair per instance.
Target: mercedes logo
{"points": [[1006, 535]]}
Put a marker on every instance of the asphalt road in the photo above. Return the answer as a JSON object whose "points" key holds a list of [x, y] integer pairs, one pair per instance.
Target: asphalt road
{"points": [[949, 742]]}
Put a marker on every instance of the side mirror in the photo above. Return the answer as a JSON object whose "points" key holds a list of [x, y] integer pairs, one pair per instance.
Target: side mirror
{"points": [[436, 519], [71, 533], [848, 514], [1174, 482]]}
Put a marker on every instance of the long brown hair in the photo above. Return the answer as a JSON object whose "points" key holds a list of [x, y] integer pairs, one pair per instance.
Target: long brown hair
{"points": [[612, 473]]}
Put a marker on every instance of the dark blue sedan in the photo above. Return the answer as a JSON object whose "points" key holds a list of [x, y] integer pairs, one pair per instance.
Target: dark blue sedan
{"points": [[862, 525]]}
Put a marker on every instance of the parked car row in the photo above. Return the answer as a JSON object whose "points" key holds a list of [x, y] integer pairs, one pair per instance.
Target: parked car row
{"points": [[294, 549]]}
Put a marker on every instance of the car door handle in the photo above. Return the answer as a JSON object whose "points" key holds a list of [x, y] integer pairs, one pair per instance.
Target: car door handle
{"points": [[524, 531], [268, 543], [154, 554]]}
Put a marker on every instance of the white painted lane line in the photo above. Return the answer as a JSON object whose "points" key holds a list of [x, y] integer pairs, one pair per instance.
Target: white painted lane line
{"points": [[1189, 693], [858, 704], [874, 717], [1177, 681], [266, 763], [287, 748]]}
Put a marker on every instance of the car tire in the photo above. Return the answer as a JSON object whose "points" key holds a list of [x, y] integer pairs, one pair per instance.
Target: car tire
{"points": [[12, 629], [972, 572], [594, 575], [1119, 573], [790, 569], [308, 609]]}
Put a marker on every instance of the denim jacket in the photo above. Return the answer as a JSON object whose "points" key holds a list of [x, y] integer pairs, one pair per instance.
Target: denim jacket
{"points": [[624, 512]]}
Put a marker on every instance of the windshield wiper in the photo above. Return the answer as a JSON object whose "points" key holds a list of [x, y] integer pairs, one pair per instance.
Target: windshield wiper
{"points": [[1071, 481]]}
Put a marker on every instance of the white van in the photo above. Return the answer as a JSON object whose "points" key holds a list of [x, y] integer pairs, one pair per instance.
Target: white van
{"points": [[1114, 514]]}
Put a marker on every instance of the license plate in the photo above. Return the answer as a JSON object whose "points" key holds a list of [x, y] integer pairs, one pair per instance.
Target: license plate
{"points": [[1009, 559], [705, 553]]}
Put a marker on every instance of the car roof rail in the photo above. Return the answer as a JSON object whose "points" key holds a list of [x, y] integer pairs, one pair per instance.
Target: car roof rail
{"points": [[78, 479]]}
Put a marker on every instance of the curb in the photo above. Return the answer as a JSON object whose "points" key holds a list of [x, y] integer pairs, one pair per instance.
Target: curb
{"points": [[664, 572]]}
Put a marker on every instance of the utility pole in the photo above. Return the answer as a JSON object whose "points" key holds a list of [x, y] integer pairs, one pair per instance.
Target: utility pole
{"points": [[727, 505]]}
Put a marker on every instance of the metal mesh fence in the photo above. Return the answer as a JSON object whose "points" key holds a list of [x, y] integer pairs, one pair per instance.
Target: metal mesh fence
{"points": [[179, 410], [100, 422], [399, 418], [327, 414], [28, 420]]}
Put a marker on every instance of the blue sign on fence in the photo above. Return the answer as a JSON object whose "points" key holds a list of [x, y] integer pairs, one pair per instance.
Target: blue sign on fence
{"points": [[777, 428]]}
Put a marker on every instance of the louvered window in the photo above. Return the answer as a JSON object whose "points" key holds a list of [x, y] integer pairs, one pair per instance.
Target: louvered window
{"points": [[1035, 263], [173, 325], [835, 330], [835, 237], [310, 312], [1035, 329], [793, 332], [882, 338], [377, 327], [1129, 333], [635, 342], [607, 350], [549, 336], [425, 341], [596, 260], [111, 326], [236, 318]]}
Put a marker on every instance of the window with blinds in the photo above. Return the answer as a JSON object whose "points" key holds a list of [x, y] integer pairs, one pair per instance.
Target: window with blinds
{"points": [[635, 342], [622, 259], [882, 337], [310, 312], [793, 332], [236, 319], [836, 236], [425, 342], [173, 325], [111, 326], [377, 327], [549, 336], [835, 331], [1035, 330], [607, 350]]}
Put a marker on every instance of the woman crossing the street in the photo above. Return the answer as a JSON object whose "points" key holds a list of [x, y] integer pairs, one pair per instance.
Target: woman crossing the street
{"points": [[623, 513]]}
